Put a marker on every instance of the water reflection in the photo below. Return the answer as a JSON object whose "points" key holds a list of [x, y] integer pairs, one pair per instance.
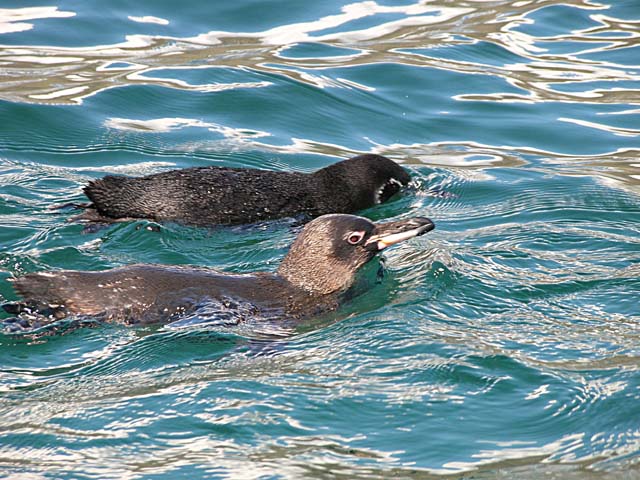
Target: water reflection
{"points": [[618, 168], [416, 40], [15, 19], [559, 64]]}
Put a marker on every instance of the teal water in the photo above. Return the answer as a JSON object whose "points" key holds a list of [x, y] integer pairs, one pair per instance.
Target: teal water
{"points": [[502, 345]]}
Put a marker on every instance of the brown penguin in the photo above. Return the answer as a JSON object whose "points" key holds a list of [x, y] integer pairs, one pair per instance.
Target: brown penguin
{"points": [[312, 278]]}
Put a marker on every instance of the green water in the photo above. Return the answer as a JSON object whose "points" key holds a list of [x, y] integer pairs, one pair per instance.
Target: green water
{"points": [[502, 345]]}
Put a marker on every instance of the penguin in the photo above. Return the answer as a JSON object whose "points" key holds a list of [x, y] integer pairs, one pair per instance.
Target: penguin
{"points": [[207, 196], [313, 278]]}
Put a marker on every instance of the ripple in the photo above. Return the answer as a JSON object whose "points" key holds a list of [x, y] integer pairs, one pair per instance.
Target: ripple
{"points": [[13, 19], [255, 50], [149, 19]]}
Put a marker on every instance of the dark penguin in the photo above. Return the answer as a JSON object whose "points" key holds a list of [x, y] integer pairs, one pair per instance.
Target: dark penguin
{"points": [[225, 196], [313, 278]]}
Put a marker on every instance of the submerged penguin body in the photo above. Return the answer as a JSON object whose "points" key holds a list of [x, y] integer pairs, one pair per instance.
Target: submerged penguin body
{"points": [[226, 196], [318, 269], [147, 294]]}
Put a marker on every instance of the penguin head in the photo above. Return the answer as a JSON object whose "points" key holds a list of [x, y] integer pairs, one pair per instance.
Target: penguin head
{"points": [[365, 180], [329, 251]]}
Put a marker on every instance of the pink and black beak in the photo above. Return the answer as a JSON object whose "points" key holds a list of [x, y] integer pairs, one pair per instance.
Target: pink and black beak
{"points": [[390, 233]]}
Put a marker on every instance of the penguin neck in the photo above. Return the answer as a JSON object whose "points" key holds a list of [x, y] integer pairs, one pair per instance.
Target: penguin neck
{"points": [[303, 271], [344, 193]]}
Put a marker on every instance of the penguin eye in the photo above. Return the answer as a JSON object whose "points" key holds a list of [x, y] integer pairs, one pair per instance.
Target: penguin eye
{"points": [[355, 238]]}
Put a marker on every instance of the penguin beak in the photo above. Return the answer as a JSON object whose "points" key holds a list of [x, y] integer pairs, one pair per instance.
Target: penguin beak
{"points": [[387, 234]]}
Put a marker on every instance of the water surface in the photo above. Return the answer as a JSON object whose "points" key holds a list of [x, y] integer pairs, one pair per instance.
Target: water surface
{"points": [[502, 345]]}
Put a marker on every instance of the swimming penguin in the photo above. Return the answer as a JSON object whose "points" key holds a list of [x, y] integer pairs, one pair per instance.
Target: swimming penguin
{"points": [[312, 278], [204, 196]]}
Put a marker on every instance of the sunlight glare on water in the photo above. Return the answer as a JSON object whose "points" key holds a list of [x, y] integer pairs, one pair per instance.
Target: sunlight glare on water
{"points": [[502, 345]]}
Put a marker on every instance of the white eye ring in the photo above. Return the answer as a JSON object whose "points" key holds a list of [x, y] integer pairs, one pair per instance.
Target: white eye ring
{"points": [[355, 238]]}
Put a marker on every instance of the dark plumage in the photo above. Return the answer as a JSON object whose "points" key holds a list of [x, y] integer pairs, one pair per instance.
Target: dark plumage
{"points": [[319, 267], [216, 195]]}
